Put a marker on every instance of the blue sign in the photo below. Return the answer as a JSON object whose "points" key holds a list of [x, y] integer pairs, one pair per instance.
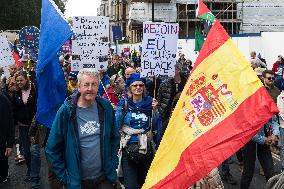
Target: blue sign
{"points": [[117, 33], [29, 37]]}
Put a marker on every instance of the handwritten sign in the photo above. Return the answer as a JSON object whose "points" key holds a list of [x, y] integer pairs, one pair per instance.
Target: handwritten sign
{"points": [[91, 45], [6, 57], [159, 48]]}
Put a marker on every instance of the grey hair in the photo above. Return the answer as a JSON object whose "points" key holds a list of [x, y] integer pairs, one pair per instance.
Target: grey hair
{"points": [[88, 71]]}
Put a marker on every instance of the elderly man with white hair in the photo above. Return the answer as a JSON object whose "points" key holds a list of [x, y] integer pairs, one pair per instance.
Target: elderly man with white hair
{"points": [[83, 142]]}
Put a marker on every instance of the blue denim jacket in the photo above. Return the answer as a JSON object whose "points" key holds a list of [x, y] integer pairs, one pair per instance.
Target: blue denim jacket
{"points": [[273, 124]]}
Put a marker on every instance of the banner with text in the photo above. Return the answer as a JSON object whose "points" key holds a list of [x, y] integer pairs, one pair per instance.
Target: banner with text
{"points": [[91, 44], [159, 47]]}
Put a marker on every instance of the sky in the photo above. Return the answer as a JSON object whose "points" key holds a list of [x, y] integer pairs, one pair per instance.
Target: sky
{"points": [[81, 8]]}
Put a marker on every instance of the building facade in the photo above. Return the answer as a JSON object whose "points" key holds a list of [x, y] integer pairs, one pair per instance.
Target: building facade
{"points": [[236, 16]]}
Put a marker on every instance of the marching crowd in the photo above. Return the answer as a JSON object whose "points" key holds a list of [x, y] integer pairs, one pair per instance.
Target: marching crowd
{"points": [[106, 132]]}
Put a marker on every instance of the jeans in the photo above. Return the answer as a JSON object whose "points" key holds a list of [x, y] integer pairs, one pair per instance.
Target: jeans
{"points": [[89, 184], [35, 165], [53, 182], [25, 141], [281, 140], [263, 153], [225, 167], [134, 173], [239, 155]]}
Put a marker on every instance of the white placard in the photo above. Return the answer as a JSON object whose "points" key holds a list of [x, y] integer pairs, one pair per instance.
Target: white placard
{"points": [[91, 46], [6, 57], [159, 47]]}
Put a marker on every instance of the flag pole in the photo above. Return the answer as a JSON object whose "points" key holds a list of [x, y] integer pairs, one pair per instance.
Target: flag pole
{"points": [[152, 118], [153, 15]]}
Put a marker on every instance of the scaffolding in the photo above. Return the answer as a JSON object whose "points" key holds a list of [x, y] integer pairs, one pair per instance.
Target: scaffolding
{"points": [[226, 12]]}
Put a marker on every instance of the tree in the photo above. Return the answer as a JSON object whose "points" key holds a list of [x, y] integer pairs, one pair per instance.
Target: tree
{"points": [[15, 14]]}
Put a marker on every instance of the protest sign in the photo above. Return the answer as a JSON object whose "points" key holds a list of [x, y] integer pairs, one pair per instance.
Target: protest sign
{"points": [[29, 37], [6, 57], [159, 48], [91, 45]]}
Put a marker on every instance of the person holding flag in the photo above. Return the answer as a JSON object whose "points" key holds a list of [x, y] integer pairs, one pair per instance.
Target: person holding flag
{"points": [[260, 144], [213, 118], [52, 87]]}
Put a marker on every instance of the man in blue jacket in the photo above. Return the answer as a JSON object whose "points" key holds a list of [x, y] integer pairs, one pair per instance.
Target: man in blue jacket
{"points": [[83, 143]]}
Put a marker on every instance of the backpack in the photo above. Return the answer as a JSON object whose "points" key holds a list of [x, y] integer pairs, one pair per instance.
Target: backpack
{"points": [[276, 182]]}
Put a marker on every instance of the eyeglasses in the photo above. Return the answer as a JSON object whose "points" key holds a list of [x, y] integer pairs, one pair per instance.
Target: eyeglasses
{"points": [[271, 78], [136, 85], [72, 79], [87, 85]]}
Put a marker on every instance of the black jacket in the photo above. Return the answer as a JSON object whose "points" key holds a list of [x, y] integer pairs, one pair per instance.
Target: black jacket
{"points": [[7, 129], [24, 113], [166, 93]]}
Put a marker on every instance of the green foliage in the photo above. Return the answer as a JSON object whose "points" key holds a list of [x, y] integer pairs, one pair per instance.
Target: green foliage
{"points": [[15, 14]]}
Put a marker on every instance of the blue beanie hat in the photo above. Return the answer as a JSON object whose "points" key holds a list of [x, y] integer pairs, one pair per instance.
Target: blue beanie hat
{"points": [[134, 77], [73, 74]]}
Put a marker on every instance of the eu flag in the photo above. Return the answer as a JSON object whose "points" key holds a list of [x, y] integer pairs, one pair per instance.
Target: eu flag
{"points": [[54, 31]]}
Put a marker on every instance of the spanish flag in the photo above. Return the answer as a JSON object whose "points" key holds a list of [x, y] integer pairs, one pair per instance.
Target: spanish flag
{"points": [[222, 106]]}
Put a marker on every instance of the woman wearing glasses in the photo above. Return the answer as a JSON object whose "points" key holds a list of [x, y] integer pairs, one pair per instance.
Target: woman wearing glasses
{"points": [[134, 116]]}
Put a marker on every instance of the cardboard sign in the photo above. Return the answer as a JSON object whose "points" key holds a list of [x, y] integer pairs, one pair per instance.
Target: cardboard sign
{"points": [[91, 45], [159, 47], [6, 57]]}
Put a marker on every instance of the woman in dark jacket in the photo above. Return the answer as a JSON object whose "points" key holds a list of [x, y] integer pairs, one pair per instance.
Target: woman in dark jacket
{"points": [[24, 101]]}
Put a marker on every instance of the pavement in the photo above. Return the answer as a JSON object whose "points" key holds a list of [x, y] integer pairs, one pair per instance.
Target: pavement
{"points": [[17, 175]]}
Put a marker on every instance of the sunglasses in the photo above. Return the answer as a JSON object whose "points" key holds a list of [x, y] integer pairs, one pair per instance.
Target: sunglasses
{"points": [[72, 78], [271, 78], [136, 85]]}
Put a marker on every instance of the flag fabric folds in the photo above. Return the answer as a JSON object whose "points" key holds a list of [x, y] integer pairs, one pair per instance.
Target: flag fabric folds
{"points": [[222, 106], [54, 31], [199, 40], [204, 13], [15, 55], [208, 18]]}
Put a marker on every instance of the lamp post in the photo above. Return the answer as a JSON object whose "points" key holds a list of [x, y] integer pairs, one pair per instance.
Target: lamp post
{"points": [[153, 16]]}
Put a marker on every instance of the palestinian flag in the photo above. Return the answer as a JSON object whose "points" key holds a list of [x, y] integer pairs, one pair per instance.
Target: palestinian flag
{"points": [[222, 106], [199, 40], [204, 13]]}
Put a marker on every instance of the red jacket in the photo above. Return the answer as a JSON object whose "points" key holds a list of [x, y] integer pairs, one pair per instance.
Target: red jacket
{"points": [[111, 96], [275, 68]]}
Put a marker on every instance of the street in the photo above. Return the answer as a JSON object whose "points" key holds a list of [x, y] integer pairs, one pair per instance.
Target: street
{"points": [[17, 175]]}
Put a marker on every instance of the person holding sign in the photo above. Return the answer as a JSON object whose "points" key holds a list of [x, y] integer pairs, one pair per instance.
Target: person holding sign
{"points": [[169, 90], [134, 115]]}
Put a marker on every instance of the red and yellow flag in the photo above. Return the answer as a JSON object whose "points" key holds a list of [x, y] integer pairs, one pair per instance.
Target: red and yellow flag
{"points": [[222, 106]]}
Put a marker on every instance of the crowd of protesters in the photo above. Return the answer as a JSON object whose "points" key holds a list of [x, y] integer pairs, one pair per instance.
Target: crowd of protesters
{"points": [[113, 121]]}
